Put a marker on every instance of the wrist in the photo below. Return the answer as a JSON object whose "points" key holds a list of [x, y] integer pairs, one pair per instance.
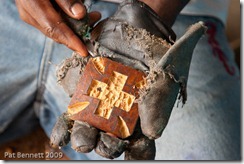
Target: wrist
{"points": [[167, 10]]}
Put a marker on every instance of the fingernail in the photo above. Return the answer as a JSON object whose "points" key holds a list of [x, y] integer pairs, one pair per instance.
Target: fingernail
{"points": [[83, 54], [77, 9]]}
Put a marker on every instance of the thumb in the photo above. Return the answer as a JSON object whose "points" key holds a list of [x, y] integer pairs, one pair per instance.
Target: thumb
{"points": [[74, 8]]}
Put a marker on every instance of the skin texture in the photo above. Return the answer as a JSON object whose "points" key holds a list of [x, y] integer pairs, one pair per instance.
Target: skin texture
{"points": [[44, 16]]}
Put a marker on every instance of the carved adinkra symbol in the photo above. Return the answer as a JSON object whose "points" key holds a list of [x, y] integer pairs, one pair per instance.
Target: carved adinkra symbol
{"points": [[111, 95], [105, 97]]}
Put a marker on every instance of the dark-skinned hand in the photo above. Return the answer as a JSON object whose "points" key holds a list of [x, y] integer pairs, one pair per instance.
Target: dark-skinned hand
{"points": [[44, 15]]}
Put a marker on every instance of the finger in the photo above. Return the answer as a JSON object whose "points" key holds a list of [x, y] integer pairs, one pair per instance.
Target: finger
{"points": [[163, 92], [73, 8], [154, 122], [60, 135], [109, 146], [52, 25], [26, 17], [140, 147], [94, 17], [61, 33], [83, 137]]}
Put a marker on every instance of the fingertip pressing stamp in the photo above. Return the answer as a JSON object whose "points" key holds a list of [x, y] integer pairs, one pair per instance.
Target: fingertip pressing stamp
{"points": [[105, 96]]}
